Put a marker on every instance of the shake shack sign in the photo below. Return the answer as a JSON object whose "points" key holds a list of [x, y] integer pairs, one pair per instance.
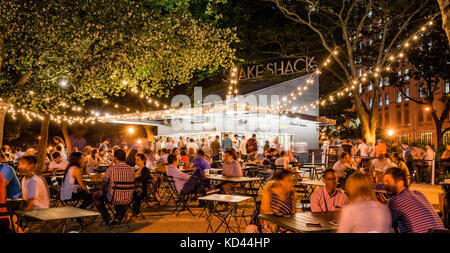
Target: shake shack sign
{"points": [[279, 68]]}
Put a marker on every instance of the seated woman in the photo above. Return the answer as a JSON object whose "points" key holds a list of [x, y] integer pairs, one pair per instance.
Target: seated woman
{"points": [[278, 198], [142, 178], [364, 214], [185, 184], [230, 168], [73, 187]]}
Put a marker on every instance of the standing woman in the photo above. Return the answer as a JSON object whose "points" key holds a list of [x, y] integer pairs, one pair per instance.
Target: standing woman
{"points": [[60, 142], [363, 214], [142, 178], [278, 198], [73, 187]]}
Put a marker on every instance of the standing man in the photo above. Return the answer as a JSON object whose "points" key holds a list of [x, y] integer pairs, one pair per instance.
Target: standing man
{"points": [[252, 144], [243, 149], [158, 145], [411, 212], [215, 149], [236, 143], [429, 157], [226, 142], [407, 155]]}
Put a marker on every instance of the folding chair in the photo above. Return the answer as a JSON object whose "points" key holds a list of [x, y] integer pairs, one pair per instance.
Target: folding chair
{"points": [[181, 200], [118, 186]]}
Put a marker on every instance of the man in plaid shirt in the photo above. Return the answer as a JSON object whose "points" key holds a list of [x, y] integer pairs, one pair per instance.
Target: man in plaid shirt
{"points": [[119, 176]]}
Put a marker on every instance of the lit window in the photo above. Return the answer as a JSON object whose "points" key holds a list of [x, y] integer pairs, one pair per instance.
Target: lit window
{"points": [[370, 14], [370, 102], [386, 99], [447, 86], [420, 91], [407, 94], [380, 36], [360, 88], [370, 87], [381, 82], [370, 40], [380, 102], [406, 74], [399, 97], [386, 81], [360, 71], [426, 137]]}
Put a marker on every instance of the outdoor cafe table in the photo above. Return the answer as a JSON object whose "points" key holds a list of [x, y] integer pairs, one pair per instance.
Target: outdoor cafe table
{"points": [[244, 180], [213, 202], [298, 222], [60, 214], [310, 187]]}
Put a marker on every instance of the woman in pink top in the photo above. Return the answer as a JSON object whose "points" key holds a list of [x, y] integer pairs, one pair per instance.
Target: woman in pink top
{"points": [[364, 214]]}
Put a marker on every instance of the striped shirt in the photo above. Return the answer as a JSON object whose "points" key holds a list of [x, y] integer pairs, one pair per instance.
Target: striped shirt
{"points": [[412, 212], [281, 207], [321, 201], [120, 172]]}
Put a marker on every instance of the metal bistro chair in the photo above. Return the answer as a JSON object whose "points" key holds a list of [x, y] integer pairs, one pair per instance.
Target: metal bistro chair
{"points": [[117, 187], [181, 200]]}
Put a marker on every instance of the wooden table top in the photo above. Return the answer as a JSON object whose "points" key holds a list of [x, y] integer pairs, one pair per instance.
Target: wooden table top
{"points": [[233, 179], [225, 198], [58, 213], [297, 223]]}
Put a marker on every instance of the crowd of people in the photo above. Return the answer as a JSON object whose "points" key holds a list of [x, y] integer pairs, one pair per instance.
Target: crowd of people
{"points": [[349, 183]]}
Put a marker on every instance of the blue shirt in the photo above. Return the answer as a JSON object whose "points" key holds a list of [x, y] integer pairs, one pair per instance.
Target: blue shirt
{"points": [[412, 212], [201, 163], [13, 189], [227, 143]]}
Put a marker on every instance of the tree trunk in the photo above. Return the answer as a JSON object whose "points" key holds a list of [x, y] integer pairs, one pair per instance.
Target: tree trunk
{"points": [[65, 132], [149, 132], [2, 120], [43, 143], [445, 10]]}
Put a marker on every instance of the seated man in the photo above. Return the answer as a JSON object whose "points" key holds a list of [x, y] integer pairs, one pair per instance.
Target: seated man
{"points": [[271, 157], [410, 210], [34, 188], [328, 198], [200, 162], [118, 172], [58, 163], [12, 184], [342, 165], [230, 168], [185, 184], [161, 165]]}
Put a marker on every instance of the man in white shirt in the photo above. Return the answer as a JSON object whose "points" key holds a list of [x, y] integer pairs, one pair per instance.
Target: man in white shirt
{"points": [[243, 148], [192, 145], [34, 188], [342, 165], [382, 163], [429, 157], [58, 163], [236, 143], [168, 144], [363, 148], [158, 145]]}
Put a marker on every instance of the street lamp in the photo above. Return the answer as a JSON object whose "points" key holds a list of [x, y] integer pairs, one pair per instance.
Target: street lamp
{"points": [[390, 132], [427, 108], [130, 130], [139, 142]]}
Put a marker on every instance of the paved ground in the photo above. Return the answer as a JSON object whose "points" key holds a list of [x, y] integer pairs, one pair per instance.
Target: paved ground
{"points": [[159, 219]]}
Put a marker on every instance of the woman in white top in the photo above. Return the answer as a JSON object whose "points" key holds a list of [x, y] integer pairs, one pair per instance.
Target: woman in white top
{"points": [[363, 214], [73, 187]]}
